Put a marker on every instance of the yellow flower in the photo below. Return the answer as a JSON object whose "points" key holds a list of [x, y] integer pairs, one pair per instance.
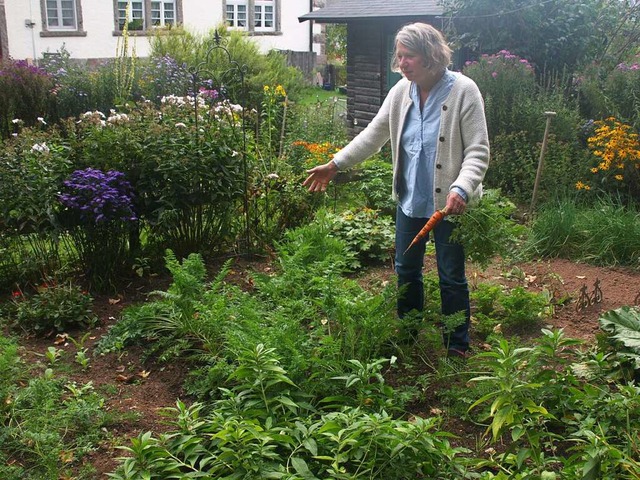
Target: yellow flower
{"points": [[281, 91], [619, 178], [266, 88]]}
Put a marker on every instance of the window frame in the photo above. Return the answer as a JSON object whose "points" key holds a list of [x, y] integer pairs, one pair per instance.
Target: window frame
{"points": [[263, 5], [236, 4], [162, 17], [75, 31], [147, 20], [251, 5]]}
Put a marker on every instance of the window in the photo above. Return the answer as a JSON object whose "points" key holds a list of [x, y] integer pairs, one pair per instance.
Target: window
{"points": [[163, 13], [264, 20], [61, 18], [61, 14], [237, 14], [255, 16], [132, 13], [142, 15]]}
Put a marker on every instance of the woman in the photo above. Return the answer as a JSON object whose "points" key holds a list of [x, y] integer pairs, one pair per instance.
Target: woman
{"points": [[435, 121]]}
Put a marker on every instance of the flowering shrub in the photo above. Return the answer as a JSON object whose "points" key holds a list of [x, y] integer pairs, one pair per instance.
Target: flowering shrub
{"points": [[616, 149], [98, 196], [25, 94], [52, 307], [98, 211], [313, 153], [505, 81]]}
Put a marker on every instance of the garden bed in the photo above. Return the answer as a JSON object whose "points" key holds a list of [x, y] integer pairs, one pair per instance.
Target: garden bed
{"points": [[139, 389]]}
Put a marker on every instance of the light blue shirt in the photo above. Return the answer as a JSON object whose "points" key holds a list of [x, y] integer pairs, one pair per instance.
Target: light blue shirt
{"points": [[419, 142]]}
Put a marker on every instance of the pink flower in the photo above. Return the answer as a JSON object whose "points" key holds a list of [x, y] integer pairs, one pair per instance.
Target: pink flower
{"points": [[494, 74]]}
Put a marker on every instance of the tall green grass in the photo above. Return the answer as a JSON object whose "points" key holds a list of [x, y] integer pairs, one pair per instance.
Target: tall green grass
{"points": [[604, 233]]}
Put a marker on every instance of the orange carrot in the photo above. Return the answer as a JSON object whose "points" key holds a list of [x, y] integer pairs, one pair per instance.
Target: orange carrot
{"points": [[435, 219]]}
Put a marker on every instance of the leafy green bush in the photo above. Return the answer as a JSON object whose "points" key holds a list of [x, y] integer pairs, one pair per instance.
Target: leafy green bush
{"points": [[25, 95], [49, 425], [366, 233], [192, 51], [53, 307], [264, 428], [505, 81], [487, 229], [79, 87], [611, 92], [538, 398]]}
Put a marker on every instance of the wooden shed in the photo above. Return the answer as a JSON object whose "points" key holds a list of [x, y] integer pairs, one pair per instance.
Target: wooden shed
{"points": [[371, 28]]}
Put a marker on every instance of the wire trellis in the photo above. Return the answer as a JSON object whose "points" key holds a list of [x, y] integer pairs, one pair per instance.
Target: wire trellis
{"points": [[230, 85]]}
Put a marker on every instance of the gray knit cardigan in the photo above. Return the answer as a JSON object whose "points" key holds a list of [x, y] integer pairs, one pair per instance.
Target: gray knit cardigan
{"points": [[462, 155]]}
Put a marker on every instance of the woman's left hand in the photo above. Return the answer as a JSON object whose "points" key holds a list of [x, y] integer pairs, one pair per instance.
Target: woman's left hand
{"points": [[455, 204]]}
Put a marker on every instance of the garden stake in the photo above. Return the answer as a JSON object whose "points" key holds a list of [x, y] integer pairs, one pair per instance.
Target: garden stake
{"points": [[549, 116]]}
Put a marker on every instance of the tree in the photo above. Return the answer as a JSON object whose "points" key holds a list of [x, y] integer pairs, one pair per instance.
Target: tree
{"points": [[552, 34]]}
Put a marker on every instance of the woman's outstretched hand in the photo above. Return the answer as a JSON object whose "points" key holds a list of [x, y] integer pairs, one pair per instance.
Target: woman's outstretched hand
{"points": [[320, 176]]}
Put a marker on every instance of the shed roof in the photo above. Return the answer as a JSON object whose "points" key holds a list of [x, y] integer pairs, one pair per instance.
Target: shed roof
{"points": [[341, 11]]}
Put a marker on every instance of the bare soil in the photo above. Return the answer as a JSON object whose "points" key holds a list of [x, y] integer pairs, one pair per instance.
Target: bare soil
{"points": [[142, 390]]}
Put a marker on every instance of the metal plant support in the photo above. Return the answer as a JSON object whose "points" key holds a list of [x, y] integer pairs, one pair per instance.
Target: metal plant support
{"points": [[234, 75]]}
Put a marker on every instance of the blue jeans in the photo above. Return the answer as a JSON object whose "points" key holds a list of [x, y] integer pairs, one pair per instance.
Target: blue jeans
{"points": [[450, 257]]}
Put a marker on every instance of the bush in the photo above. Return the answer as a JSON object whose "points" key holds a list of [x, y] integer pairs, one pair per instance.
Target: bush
{"points": [[604, 232], [25, 95], [79, 87], [514, 164], [615, 160], [611, 92], [215, 67], [366, 233], [98, 209], [53, 306], [504, 80]]}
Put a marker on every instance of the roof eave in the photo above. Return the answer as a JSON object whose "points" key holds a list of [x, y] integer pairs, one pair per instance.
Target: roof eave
{"points": [[347, 18]]}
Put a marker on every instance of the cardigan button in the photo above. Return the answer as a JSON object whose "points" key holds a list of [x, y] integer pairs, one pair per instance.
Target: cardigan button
{"points": [[438, 190], [444, 107], [441, 139], [439, 165]]}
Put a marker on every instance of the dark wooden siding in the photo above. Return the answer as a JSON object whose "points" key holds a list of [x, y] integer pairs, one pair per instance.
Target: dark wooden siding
{"points": [[364, 74]]}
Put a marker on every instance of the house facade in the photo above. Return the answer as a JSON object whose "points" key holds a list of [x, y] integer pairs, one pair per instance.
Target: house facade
{"points": [[90, 29]]}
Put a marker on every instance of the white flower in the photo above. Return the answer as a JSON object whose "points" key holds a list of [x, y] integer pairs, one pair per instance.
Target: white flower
{"points": [[273, 176], [234, 154], [41, 120], [180, 125], [40, 147], [17, 121], [118, 118]]}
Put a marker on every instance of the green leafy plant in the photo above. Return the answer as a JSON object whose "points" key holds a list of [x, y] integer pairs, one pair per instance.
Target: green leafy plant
{"points": [[259, 431], [53, 307], [25, 95], [49, 427], [622, 327], [487, 229], [366, 233]]}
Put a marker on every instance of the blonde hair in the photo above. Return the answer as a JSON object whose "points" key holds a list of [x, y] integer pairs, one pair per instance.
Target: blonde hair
{"points": [[426, 41]]}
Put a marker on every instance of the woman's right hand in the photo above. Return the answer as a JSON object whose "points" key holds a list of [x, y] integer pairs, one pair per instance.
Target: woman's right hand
{"points": [[320, 176]]}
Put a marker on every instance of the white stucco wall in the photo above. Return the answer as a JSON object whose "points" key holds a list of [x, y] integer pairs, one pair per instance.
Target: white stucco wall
{"points": [[100, 42]]}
